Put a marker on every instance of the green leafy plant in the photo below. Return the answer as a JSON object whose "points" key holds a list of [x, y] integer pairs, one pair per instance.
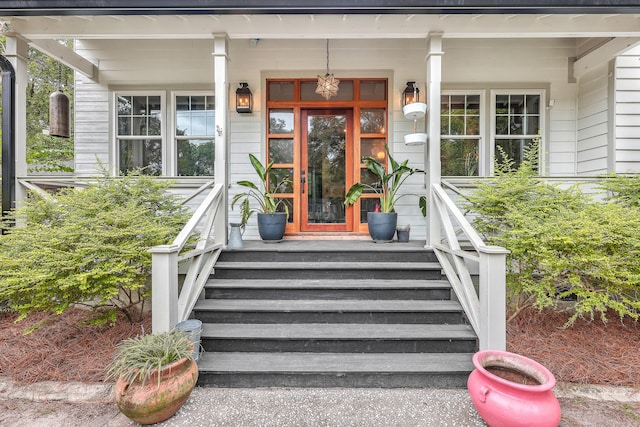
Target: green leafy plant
{"points": [[136, 359], [623, 189], [88, 247], [563, 244], [388, 182], [264, 193]]}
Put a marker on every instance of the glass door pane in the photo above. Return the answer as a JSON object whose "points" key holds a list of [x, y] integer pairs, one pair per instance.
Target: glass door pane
{"points": [[324, 171]]}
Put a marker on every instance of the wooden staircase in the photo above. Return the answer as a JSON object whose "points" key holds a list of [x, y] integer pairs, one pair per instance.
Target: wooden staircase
{"points": [[332, 314]]}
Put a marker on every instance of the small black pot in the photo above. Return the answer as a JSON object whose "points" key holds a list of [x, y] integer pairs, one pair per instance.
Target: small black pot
{"points": [[382, 226], [272, 226]]}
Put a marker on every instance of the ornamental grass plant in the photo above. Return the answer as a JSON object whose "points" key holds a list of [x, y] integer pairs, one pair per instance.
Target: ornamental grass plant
{"points": [[137, 359]]}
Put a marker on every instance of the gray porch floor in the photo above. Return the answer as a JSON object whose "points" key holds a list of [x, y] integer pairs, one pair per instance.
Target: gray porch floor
{"points": [[331, 245]]}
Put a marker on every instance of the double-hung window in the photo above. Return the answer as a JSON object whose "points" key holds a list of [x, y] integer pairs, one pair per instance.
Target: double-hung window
{"points": [[139, 133], [471, 140], [517, 122], [461, 130], [194, 134]]}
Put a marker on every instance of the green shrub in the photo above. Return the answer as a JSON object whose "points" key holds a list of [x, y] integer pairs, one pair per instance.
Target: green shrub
{"points": [[623, 189], [88, 246], [564, 245]]}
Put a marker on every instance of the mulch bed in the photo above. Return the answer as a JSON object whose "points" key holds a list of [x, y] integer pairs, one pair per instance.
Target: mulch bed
{"points": [[62, 350]]}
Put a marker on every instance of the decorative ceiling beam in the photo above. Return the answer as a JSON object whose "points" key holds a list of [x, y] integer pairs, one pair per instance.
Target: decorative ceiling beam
{"points": [[602, 54], [61, 53]]}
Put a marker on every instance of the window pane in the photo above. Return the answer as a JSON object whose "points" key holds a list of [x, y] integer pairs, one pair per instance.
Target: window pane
{"points": [[473, 125], [196, 157], [460, 115], [473, 104], [372, 120], [278, 175], [533, 125], [515, 125], [373, 90], [182, 103], [140, 106], [533, 104], [457, 125], [502, 125], [459, 157], [281, 150], [281, 91], [367, 205], [516, 104], [124, 125], [286, 205], [141, 154], [502, 104], [308, 91], [457, 104], [140, 126], [125, 105], [512, 148], [373, 147], [369, 179], [280, 121], [195, 115]]}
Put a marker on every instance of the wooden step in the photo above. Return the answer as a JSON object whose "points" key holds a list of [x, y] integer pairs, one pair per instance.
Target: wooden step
{"points": [[341, 338], [328, 311], [327, 289], [248, 369], [328, 270]]}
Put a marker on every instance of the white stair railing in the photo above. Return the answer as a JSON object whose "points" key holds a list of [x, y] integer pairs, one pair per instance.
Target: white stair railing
{"points": [[484, 309], [168, 305]]}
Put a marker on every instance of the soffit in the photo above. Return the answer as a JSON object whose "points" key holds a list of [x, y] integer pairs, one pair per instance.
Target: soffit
{"points": [[274, 26]]}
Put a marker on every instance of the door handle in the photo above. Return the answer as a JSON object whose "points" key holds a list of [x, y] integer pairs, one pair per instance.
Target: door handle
{"points": [[302, 181]]}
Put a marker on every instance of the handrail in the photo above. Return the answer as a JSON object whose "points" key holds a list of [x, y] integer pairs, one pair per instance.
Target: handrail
{"points": [[485, 309], [168, 306]]}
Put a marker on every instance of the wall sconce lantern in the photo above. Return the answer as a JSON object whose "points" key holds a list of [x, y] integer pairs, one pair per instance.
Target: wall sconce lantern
{"points": [[244, 99], [410, 94]]}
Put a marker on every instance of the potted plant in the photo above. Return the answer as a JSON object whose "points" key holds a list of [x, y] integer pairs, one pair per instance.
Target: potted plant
{"points": [[155, 375], [271, 222], [382, 224]]}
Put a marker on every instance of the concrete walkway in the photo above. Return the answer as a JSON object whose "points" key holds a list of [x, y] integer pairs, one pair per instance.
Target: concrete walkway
{"points": [[89, 405]]}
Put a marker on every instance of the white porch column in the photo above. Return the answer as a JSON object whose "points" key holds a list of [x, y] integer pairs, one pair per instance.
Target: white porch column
{"points": [[432, 151], [17, 52], [220, 69]]}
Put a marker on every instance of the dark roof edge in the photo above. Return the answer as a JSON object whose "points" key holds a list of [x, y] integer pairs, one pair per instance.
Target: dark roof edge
{"points": [[191, 7]]}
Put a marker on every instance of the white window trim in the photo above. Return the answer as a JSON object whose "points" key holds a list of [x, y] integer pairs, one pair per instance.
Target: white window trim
{"points": [[172, 154], [492, 125], [115, 169], [482, 147]]}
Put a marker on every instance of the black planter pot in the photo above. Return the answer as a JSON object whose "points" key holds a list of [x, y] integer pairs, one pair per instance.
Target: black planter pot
{"points": [[382, 226], [272, 226]]}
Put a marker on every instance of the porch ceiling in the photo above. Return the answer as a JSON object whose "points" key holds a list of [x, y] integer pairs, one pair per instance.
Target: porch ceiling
{"points": [[312, 26]]}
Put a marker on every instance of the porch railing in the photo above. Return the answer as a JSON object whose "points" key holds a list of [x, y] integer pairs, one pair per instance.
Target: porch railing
{"points": [[170, 303], [485, 308]]}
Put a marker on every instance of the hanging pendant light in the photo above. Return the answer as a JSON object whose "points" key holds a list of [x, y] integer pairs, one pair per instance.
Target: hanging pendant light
{"points": [[327, 84], [59, 111]]}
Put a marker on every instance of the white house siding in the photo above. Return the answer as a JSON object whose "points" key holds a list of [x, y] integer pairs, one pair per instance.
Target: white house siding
{"points": [[522, 64], [187, 65], [593, 122], [627, 109]]}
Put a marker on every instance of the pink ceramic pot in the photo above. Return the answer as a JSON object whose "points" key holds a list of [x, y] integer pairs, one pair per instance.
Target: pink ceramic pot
{"points": [[511, 402]]}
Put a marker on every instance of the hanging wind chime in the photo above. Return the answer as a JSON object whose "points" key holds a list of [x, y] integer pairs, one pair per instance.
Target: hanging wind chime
{"points": [[327, 84], [59, 112]]}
